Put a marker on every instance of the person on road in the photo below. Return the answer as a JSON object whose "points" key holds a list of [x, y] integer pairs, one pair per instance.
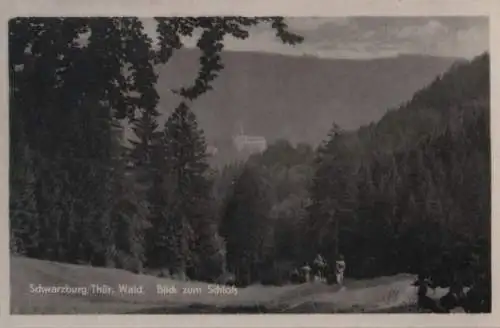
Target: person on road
{"points": [[339, 269], [306, 273], [319, 267]]}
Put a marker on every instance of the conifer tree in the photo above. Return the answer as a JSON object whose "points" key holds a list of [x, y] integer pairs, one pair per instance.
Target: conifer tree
{"points": [[243, 225], [186, 217]]}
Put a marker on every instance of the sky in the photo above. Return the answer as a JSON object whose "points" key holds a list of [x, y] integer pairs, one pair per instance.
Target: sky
{"points": [[368, 37]]}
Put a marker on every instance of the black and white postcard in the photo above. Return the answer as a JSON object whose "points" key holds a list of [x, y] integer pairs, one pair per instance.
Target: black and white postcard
{"points": [[319, 163]]}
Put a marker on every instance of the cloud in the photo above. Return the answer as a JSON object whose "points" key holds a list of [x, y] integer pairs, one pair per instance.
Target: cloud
{"points": [[303, 24], [368, 37], [428, 30], [439, 38], [380, 36], [468, 42]]}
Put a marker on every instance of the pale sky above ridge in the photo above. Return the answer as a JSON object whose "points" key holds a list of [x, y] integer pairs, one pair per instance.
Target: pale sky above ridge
{"points": [[368, 37]]}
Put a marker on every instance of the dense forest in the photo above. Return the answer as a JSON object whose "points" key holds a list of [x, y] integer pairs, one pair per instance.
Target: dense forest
{"points": [[410, 193]]}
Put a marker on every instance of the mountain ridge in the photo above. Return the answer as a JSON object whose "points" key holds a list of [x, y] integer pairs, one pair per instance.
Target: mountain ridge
{"points": [[290, 97]]}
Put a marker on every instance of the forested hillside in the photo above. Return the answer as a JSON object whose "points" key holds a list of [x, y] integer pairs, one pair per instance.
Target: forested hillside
{"points": [[405, 194], [417, 197], [430, 108], [410, 193]]}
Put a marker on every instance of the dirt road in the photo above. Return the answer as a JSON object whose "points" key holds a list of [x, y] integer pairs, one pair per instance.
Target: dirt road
{"points": [[33, 292]]}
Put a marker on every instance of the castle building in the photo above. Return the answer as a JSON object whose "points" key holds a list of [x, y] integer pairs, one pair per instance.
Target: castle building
{"points": [[247, 143]]}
